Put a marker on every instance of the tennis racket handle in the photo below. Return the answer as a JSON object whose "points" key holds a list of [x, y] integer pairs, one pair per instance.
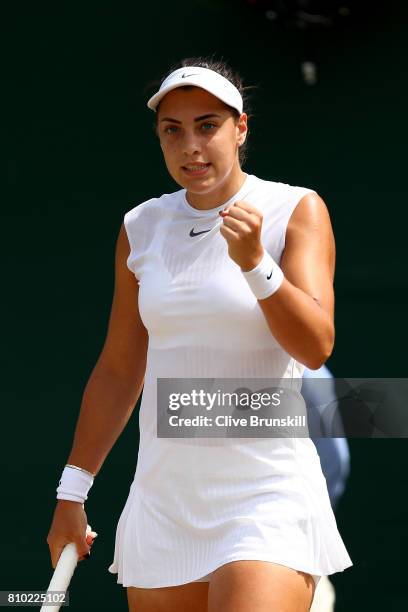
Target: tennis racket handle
{"points": [[63, 572]]}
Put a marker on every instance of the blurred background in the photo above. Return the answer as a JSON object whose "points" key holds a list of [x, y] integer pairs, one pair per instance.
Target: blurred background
{"points": [[328, 112]]}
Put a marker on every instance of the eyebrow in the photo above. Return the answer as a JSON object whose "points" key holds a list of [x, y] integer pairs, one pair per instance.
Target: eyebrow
{"points": [[200, 118]]}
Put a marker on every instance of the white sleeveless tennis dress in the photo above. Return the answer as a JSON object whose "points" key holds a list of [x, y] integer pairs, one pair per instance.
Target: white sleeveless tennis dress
{"points": [[196, 505]]}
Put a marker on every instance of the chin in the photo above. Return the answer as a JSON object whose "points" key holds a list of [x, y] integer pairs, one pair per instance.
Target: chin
{"points": [[197, 185]]}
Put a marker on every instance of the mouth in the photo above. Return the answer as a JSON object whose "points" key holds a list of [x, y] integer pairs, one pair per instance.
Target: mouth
{"points": [[196, 169]]}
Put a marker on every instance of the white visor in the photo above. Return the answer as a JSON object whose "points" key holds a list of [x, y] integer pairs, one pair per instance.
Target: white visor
{"points": [[207, 79]]}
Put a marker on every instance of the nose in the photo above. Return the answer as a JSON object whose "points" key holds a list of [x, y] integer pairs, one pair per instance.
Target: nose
{"points": [[191, 143]]}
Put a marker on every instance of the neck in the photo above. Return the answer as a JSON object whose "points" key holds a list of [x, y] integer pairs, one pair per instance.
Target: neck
{"points": [[222, 193]]}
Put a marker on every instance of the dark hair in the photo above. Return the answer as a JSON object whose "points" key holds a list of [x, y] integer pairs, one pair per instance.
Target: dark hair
{"points": [[226, 71]]}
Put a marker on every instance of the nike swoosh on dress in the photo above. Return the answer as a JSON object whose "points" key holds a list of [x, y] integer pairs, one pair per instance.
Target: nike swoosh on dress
{"points": [[193, 233]]}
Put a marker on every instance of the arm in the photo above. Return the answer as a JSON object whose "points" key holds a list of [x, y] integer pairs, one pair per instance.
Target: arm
{"points": [[108, 401], [300, 314], [117, 379]]}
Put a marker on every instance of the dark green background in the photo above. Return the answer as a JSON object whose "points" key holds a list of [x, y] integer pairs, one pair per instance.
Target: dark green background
{"points": [[80, 152]]}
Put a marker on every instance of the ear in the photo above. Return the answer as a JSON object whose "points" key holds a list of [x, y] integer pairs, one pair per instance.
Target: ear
{"points": [[242, 129]]}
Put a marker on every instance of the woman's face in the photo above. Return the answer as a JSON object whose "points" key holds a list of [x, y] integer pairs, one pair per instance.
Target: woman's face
{"points": [[199, 137]]}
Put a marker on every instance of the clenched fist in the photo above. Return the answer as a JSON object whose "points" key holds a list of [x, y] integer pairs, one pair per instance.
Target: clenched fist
{"points": [[241, 228]]}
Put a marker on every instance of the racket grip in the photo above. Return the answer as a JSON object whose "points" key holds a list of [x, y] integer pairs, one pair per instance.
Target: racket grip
{"points": [[63, 572]]}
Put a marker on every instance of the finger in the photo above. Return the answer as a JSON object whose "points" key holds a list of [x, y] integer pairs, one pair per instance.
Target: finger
{"points": [[82, 547], [91, 536], [237, 213], [252, 221], [234, 210], [228, 233], [243, 205], [241, 227]]}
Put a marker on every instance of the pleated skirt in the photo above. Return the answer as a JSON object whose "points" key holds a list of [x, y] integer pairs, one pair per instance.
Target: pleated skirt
{"points": [[195, 507]]}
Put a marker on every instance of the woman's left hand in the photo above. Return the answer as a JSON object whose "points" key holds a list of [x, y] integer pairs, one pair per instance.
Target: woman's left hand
{"points": [[241, 228]]}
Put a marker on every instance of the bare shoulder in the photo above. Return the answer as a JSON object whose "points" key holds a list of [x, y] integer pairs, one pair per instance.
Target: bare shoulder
{"points": [[126, 339], [308, 259], [125, 280], [310, 230], [310, 213], [122, 244], [126, 286]]}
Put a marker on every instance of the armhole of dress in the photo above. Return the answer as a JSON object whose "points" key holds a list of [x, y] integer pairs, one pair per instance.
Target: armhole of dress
{"points": [[129, 260], [301, 193]]}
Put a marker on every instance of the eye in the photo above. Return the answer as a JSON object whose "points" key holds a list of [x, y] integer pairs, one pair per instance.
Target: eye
{"points": [[171, 129], [207, 126]]}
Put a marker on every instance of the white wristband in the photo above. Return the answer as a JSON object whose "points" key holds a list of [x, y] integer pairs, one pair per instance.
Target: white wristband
{"points": [[74, 484], [265, 278]]}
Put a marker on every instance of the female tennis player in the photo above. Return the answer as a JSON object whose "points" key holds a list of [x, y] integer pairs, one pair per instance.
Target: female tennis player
{"points": [[230, 276]]}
